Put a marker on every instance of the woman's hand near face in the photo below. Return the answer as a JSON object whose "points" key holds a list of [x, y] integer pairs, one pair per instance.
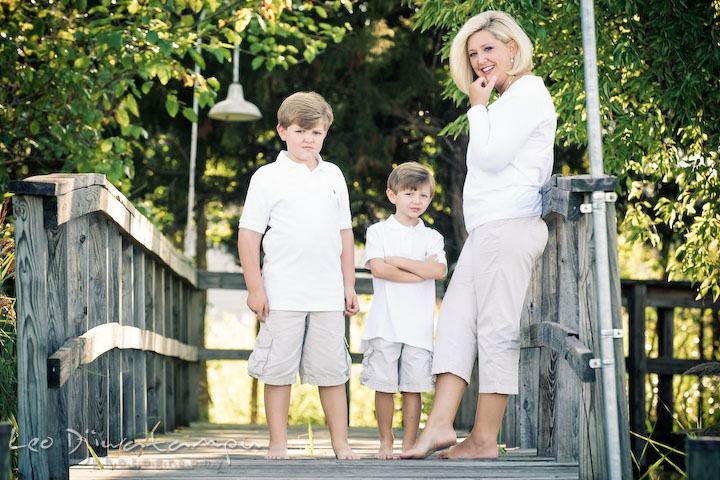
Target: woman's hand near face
{"points": [[480, 90]]}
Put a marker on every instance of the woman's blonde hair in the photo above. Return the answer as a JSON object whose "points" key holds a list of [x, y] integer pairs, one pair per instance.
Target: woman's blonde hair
{"points": [[504, 28]]}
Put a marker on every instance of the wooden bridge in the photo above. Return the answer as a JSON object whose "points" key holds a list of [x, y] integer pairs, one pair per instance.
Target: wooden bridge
{"points": [[110, 329]]}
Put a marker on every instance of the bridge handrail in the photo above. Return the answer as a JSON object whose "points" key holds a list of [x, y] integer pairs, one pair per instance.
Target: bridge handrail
{"points": [[98, 286]]}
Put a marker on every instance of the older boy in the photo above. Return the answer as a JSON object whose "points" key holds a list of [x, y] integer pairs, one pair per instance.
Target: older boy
{"points": [[405, 258], [298, 208]]}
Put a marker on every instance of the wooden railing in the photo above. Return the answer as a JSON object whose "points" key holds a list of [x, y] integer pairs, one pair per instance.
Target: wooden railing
{"points": [[110, 329], [559, 407], [109, 324], [665, 298]]}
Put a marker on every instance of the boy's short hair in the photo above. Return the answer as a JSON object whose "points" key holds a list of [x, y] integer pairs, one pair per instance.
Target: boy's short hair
{"points": [[305, 109], [410, 176]]}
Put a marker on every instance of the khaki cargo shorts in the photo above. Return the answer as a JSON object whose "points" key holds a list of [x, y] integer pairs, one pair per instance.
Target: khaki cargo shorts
{"points": [[391, 367], [311, 343]]}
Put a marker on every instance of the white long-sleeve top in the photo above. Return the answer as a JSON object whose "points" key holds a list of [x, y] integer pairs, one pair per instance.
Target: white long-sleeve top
{"points": [[510, 154]]}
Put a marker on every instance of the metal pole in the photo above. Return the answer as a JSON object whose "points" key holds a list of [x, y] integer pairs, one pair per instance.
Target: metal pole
{"points": [[602, 263], [190, 230]]}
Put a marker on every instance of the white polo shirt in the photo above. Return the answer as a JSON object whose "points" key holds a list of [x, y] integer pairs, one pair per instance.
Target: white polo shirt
{"points": [[300, 212], [402, 312]]}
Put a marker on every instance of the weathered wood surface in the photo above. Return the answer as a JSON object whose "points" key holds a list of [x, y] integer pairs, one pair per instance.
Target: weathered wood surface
{"points": [[139, 356], [114, 357], [75, 195], [82, 253], [102, 339], [57, 287], [32, 310], [206, 451], [563, 341]]}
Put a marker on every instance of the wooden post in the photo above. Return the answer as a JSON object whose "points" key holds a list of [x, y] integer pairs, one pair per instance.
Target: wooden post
{"points": [[58, 461], [5, 429], [153, 402], [637, 366], [520, 422], [32, 312], [666, 401], [548, 360], [179, 329], [97, 436], [77, 307], [128, 357], [140, 358], [196, 336], [115, 356], [168, 294], [158, 360], [703, 458]]}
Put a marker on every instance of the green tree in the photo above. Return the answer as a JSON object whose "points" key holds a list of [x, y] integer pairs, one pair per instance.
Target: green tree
{"points": [[659, 74], [74, 71]]}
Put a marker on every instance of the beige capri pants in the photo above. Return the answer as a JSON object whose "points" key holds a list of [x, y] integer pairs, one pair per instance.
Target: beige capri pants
{"points": [[481, 310]]}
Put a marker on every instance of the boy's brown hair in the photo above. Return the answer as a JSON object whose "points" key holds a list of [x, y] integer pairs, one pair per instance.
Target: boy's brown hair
{"points": [[410, 176], [305, 109]]}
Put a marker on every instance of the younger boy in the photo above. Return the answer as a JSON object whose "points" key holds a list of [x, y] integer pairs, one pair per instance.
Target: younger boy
{"points": [[298, 208], [405, 258]]}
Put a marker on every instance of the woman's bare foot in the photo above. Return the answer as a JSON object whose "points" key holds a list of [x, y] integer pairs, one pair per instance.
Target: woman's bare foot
{"points": [[430, 441], [471, 448], [344, 452], [386, 450], [277, 452]]}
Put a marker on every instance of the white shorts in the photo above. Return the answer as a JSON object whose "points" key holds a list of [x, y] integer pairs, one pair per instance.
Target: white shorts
{"points": [[391, 367], [481, 310], [311, 343]]}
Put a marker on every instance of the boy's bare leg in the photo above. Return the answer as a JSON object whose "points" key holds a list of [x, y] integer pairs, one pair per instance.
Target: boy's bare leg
{"points": [[482, 442], [438, 432], [411, 408], [334, 403], [384, 409], [277, 403]]}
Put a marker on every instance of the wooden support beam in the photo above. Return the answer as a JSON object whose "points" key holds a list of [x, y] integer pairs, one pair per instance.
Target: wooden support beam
{"points": [[564, 342], [103, 338]]}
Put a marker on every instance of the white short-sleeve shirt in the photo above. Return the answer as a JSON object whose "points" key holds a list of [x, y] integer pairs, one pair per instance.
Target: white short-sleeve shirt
{"points": [[402, 312], [300, 212]]}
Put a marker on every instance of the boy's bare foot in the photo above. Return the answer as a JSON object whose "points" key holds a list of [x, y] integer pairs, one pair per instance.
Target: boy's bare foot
{"points": [[386, 450], [344, 452], [430, 441], [277, 452], [471, 448]]}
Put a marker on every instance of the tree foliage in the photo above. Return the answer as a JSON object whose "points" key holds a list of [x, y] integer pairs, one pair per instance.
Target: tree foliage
{"points": [[659, 74], [75, 71]]}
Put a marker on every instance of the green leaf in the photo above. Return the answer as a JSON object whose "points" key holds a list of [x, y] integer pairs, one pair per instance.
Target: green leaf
{"points": [[309, 54], [122, 117], [322, 13], [257, 62], [34, 127], [187, 20], [106, 145], [196, 5], [189, 113], [197, 58], [152, 37], [146, 86], [171, 105]]}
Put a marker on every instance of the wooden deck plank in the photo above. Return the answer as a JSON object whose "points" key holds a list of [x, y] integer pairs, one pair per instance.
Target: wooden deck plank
{"points": [[204, 451]]}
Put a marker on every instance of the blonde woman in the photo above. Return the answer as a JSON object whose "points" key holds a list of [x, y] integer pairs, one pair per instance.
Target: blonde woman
{"points": [[509, 158]]}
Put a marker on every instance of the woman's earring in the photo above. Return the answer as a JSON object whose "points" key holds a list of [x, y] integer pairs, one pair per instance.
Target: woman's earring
{"points": [[512, 59]]}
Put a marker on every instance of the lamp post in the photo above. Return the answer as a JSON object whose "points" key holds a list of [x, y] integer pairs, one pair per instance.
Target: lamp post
{"points": [[233, 109]]}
